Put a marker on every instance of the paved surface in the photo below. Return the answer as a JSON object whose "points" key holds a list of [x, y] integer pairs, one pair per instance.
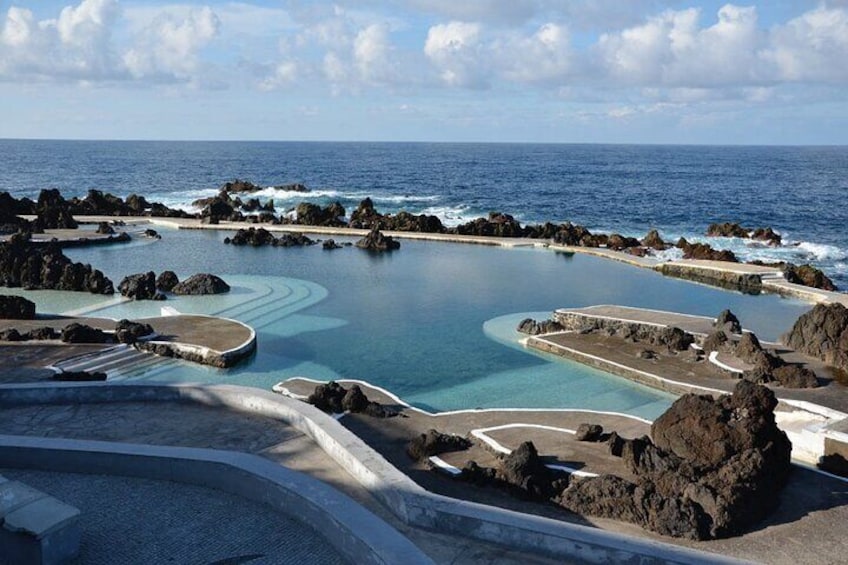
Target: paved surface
{"points": [[692, 324], [129, 520], [186, 424]]}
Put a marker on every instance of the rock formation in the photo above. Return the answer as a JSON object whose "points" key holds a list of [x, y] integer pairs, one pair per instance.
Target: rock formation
{"points": [[166, 281], [532, 327], [654, 241], [16, 308], [313, 215], [201, 283], [335, 399], [140, 286], [713, 470], [376, 241], [81, 333], [703, 251], [522, 472], [433, 443], [822, 333], [52, 212], [127, 331], [729, 229], [78, 376], [261, 237], [728, 321], [808, 275]]}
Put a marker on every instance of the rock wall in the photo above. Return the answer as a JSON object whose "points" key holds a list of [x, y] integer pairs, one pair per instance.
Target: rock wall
{"points": [[747, 283]]}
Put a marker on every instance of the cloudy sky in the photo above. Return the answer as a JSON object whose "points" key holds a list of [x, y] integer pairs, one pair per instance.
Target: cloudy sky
{"points": [[619, 71]]}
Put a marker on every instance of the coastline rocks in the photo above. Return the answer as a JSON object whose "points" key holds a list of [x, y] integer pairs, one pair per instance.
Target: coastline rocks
{"points": [[201, 284], [294, 187], [313, 215], [53, 212], [577, 236], [822, 333], [713, 470], [728, 321], [330, 244], [261, 237], [496, 225], [808, 275], [127, 331], [376, 241], [618, 242], [365, 216], [240, 186], [705, 252], [166, 281], [335, 399], [525, 470], [9, 210], [140, 286], [729, 229], [80, 333], [532, 327], [433, 443], [25, 265], [16, 308], [653, 240]]}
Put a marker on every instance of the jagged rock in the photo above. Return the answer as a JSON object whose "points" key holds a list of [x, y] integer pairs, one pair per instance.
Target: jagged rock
{"points": [[524, 469], [200, 284], [240, 186], [152, 234], [822, 333], [748, 348], [140, 286], [654, 241], [313, 215], [79, 376], [702, 251], [727, 229], [433, 443], [475, 474], [334, 398], [716, 341], [80, 333], [365, 216], [252, 236], [808, 275], [589, 432], [53, 212], [714, 469], [376, 241], [11, 334], [768, 235], [105, 229], [9, 210], [728, 321], [575, 235], [619, 242], [330, 244], [795, 376], [127, 331], [25, 265], [532, 327], [42, 333], [166, 281], [16, 308], [496, 225], [295, 187]]}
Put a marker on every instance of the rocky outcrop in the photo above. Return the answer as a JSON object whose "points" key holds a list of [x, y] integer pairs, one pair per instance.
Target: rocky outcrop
{"points": [[654, 241], [822, 333], [127, 331], [618, 242], [9, 220], [728, 321], [376, 241], [25, 265], [433, 443], [140, 286], [521, 472], [729, 229], [16, 308], [669, 337], [589, 432], [745, 282], [240, 186], [294, 187], [713, 470], [496, 225], [330, 244], [52, 212], [166, 281], [532, 327], [808, 275], [704, 252], [200, 284], [81, 333], [335, 399], [309, 214], [261, 237]]}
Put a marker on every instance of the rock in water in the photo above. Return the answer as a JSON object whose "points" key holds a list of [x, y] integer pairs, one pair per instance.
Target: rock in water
{"points": [[808, 275], [376, 241], [166, 281], [822, 333], [532, 327], [202, 283], [714, 468], [16, 308], [140, 286]]}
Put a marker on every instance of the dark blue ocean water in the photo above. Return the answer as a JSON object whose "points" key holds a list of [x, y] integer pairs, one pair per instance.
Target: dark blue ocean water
{"points": [[801, 192]]}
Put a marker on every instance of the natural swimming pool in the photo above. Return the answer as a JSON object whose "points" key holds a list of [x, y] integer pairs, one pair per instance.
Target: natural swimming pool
{"points": [[432, 322]]}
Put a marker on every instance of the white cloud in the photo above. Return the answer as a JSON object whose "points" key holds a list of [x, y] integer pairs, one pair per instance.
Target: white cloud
{"points": [[812, 47], [454, 49], [544, 56]]}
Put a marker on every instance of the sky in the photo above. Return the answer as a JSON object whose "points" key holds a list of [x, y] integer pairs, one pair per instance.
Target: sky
{"points": [[572, 71]]}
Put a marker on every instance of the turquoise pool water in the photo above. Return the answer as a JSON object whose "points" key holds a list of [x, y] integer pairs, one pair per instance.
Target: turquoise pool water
{"points": [[432, 322]]}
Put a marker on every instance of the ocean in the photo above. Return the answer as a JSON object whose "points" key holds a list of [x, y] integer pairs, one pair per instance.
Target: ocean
{"points": [[435, 322], [801, 192]]}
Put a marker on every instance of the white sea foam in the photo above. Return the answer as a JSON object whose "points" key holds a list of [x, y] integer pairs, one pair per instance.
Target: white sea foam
{"points": [[450, 216], [823, 252]]}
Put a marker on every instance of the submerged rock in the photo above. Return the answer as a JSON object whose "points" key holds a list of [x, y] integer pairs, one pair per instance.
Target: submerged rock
{"points": [[16, 308], [376, 241]]}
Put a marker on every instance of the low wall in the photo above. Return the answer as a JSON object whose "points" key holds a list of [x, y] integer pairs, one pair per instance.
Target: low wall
{"points": [[744, 282], [404, 498]]}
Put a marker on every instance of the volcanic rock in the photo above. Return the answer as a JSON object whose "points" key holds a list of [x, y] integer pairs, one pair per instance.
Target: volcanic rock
{"points": [[728, 321], [52, 212], [105, 229], [532, 327], [335, 399], [200, 284], [703, 251], [331, 244], [496, 225], [25, 265], [524, 469], [80, 333], [589, 432], [313, 215], [376, 241], [295, 187], [140, 286], [433, 443], [808, 275], [654, 241], [727, 229], [127, 331], [166, 281], [822, 333], [768, 235], [619, 242], [240, 186], [716, 341], [16, 308]]}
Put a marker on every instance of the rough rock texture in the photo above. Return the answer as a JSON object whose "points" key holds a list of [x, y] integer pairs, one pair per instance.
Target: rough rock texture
{"points": [[654, 241], [619, 242], [376, 241], [166, 281], [702, 251], [98, 203], [127, 331], [834, 463], [744, 282], [330, 244], [16, 308], [672, 338], [334, 398], [808, 275], [532, 327], [294, 187], [52, 212], [9, 210], [240, 186], [433, 443], [589, 432], [140, 286], [716, 341], [525, 470], [727, 229], [80, 333], [105, 228], [309, 214], [728, 321], [713, 470], [201, 283], [822, 333], [25, 265], [496, 225], [261, 237]]}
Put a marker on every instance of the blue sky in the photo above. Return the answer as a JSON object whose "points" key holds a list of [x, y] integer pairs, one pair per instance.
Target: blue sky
{"points": [[609, 71]]}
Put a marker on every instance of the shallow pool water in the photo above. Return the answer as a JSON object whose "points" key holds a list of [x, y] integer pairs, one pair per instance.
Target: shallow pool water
{"points": [[432, 322]]}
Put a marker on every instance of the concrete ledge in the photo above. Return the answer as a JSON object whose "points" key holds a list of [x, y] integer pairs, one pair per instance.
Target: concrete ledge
{"points": [[354, 531], [408, 501]]}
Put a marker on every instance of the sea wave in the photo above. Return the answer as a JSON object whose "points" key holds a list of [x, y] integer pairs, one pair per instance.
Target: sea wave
{"points": [[450, 216]]}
